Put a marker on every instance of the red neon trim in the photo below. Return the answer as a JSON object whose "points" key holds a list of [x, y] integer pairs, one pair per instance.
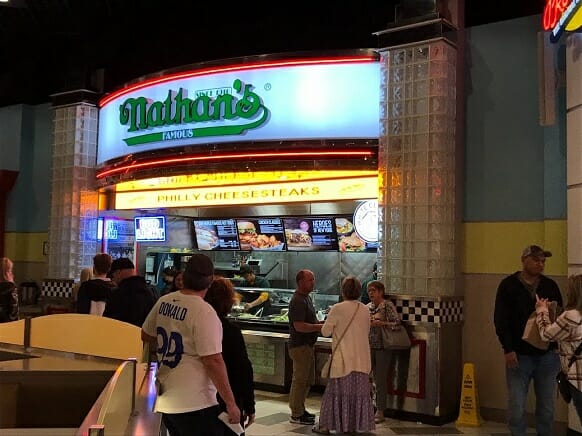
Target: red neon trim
{"points": [[228, 68], [181, 160], [553, 10]]}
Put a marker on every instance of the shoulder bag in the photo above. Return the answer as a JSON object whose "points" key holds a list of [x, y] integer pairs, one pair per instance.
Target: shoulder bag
{"points": [[395, 337], [562, 377], [326, 368]]}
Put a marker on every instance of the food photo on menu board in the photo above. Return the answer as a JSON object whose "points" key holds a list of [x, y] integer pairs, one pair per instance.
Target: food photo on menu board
{"points": [[310, 234], [348, 239], [261, 234], [216, 234]]}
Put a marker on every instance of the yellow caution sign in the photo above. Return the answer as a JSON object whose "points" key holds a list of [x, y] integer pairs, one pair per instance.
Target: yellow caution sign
{"points": [[469, 408]]}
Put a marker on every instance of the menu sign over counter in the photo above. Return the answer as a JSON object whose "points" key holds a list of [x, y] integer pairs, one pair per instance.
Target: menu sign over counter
{"points": [[262, 234], [348, 238], [216, 234], [310, 234]]}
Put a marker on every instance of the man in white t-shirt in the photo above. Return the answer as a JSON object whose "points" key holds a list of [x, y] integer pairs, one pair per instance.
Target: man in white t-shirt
{"points": [[187, 334]]}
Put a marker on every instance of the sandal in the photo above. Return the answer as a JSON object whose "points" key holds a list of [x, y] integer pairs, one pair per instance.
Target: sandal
{"points": [[319, 430]]}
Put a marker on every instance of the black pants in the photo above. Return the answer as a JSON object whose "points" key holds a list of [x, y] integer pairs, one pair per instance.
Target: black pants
{"points": [[202, 422]]}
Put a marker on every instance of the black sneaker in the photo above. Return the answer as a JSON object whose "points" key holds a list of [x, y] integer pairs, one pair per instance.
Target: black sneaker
{"points": [[306, 419]]}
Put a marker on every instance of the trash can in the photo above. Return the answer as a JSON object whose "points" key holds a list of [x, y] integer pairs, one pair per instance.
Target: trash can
{"points": [[28, 293]]}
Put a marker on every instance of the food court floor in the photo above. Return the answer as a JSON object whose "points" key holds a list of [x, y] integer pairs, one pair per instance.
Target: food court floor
{"points": [[272, 418]]}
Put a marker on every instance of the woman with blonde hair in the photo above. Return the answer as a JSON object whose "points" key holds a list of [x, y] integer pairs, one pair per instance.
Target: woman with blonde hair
{"points": [[567, 331], [8, 292]]}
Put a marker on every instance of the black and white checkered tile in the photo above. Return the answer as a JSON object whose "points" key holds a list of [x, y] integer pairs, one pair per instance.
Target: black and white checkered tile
{"points": [[431, 311], [57, 288]]}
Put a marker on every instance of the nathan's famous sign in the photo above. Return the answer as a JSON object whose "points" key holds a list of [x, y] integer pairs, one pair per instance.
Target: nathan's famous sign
{"points": [[140, 115], [291, 100], [560, 16]]}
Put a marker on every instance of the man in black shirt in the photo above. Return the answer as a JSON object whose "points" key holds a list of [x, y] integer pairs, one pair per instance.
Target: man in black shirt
{"points": [[133, 299], [514, 303]]}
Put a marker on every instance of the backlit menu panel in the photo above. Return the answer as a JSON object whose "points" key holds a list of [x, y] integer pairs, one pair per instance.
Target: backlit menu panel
{"points": [[216, 234], [310, 234]]}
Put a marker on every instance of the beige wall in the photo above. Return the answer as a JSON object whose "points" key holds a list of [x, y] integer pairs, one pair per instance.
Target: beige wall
{"points": [[481, 347]]}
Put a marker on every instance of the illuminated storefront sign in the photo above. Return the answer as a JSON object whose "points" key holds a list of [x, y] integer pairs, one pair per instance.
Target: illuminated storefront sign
{"points": [[237, 178], [280, 100], [560, 16], [349, 188]]}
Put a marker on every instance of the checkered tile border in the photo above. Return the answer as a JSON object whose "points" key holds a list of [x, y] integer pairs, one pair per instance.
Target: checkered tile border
{"points": [[431, 311], [57, 288]]}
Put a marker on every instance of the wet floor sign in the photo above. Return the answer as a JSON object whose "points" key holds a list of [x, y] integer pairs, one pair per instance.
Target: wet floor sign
{"points": [[469, 408]]}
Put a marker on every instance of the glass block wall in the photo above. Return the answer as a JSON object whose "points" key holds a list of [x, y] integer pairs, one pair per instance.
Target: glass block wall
{"points": [[417, 169], [74, 202]]}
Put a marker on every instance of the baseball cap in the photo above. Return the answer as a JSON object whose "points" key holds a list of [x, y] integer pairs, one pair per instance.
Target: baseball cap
{"points": [[121, 263], [536, 251], [200, 264], [245, 269]]}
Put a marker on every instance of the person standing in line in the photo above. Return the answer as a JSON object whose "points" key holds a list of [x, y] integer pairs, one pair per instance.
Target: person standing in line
{"points": [[365, 298], [86, 274], [187, 334], [220, 296], [133, 299], [178, 282], [303, 331], [95, 292], [383, 314], [567, 331], [514, 303], [346, 405], [8, 293]]}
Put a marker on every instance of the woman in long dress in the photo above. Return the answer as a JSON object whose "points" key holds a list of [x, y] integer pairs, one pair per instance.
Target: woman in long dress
{"points": [[346, 405]]}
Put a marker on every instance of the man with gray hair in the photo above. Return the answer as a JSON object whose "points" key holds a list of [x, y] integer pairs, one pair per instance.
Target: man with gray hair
{"points": [[187, 334]]}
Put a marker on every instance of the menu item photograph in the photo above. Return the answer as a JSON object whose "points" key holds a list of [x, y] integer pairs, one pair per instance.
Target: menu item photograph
{"points": [[247, 233], [351, 243], [298, 238], [262, 234], [343, 226], [206, 238]]}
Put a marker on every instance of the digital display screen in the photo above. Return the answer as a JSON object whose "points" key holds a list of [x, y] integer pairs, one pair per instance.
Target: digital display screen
{"points": [[216, 234], [150, 228], [261, 234], [347, 237], [310, 234]]}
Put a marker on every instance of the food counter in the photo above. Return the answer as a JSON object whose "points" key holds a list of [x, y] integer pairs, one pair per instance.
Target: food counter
{"points": [[266, 334]]}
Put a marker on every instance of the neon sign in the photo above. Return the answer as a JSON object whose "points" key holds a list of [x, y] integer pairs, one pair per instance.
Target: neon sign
{"points": [[561, 15], [553, 11]]}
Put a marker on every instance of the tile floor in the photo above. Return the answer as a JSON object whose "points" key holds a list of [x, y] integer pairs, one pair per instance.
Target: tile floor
{"points": [[272, 418]]}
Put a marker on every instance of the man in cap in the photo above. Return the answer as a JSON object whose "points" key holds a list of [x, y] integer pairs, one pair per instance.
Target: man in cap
{"points": [[187, 334], [133, 299], [253, 281], [514, 303]]}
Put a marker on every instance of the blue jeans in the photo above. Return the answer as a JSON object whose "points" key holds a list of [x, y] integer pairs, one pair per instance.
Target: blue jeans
{"points": [[542, 369]]}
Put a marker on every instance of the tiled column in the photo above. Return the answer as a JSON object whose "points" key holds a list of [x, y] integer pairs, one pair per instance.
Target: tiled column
{"points": [[74, 202], [417, 169]]}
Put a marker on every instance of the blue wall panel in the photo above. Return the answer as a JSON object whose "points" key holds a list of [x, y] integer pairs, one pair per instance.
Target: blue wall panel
{"points": [[514, 168], [28, 202]]}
